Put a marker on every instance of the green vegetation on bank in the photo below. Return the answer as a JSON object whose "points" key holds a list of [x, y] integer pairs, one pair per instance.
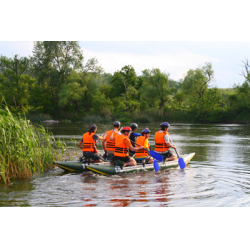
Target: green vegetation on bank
{"points": [[24, 149], [56, 83]]}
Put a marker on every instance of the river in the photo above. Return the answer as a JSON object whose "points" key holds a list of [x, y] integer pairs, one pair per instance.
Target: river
{"points": [[218, 175]]}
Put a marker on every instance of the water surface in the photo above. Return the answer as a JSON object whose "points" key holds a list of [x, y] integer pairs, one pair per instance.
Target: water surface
{"points": [[218, 175]]}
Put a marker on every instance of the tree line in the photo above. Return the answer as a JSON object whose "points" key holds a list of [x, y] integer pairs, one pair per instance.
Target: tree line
{"points": [[56, 81]]}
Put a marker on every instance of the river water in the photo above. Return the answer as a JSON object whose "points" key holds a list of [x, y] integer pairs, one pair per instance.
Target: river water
{"points": [[218, 175]]}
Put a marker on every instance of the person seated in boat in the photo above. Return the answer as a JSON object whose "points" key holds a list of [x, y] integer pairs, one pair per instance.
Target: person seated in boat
{"points": [[162, 144], [133, 136], [122, 145], [88, 144], [110, 145], [143, 154]]}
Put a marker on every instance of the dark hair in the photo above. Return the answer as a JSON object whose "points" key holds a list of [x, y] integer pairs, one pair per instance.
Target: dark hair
{"points": [[117, 124], [92, 128]]}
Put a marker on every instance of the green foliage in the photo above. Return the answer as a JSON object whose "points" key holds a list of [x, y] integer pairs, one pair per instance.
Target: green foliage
{"points": [[24, 149], [56, 83], [14, 83], [155, 88]]}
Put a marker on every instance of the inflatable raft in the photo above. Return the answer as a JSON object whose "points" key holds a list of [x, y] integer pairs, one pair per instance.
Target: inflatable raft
{"points": [[105, 168]]}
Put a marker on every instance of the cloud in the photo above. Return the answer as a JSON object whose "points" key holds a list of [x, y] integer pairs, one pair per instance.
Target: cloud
{"points": [[176, 64]]}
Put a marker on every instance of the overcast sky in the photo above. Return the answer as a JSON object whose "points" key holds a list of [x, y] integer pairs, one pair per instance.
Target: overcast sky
{"points": [[176, 58]]}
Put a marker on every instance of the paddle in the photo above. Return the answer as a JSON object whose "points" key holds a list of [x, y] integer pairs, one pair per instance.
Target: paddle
{"points": [[155, 155], [181, 162]]}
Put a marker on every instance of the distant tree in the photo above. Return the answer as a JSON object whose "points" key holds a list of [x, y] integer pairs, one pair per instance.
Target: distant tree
{"points": [[197, 81], [155, 88], [15, 84], [52, 63]]}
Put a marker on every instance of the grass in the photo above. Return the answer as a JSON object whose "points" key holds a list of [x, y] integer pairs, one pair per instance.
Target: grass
{"points": [[24, 149]]}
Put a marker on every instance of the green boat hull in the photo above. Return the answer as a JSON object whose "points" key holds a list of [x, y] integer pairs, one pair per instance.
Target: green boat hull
{"points": [[106, 169]]}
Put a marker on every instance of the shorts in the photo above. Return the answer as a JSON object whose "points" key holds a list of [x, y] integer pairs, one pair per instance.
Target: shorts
{"points": [[124, 159], [165, 155], [131, 153], [92, 155]]}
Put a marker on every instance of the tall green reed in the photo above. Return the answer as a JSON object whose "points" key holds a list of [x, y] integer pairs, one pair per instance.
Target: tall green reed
{"points": [[24, 149]]}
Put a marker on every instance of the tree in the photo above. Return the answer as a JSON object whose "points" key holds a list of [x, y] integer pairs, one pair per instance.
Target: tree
{"points": [[52, 65], [197, 81], [14, 82], [155, 87], [122, 81]]}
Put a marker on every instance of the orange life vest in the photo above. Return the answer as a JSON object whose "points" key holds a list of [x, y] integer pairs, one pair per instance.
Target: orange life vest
{"points": [[160, 144], [88, 142], [121, 149], [110, 146], [141, 152]]}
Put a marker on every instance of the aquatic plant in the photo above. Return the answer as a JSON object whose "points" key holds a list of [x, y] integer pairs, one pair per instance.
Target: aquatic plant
{"points": [[24, 149]]}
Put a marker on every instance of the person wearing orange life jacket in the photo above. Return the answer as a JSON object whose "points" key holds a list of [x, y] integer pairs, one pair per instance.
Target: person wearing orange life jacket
{"points": [[122, 145], [110, 145], [88, 144], [162, 143], [143, 154]]}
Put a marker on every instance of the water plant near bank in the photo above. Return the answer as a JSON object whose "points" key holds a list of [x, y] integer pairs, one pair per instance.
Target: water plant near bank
{"points": [[24, 149]]}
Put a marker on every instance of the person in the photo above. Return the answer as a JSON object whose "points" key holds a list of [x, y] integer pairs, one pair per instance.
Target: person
{"points": [[88, 144], [133, 136], [110, 145], [122, 145], [143, 154], [162, 143]]}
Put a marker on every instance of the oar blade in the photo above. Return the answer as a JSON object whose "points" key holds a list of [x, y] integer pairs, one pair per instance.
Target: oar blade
{"points": [[182, 163], [156, 166], [156, 156]]}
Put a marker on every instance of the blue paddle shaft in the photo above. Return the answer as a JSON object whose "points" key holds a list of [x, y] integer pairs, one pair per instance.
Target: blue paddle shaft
{"points": [[155, 155], [181, 162]]}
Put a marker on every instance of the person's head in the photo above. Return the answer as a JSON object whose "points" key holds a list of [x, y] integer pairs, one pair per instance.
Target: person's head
{"points": [[145, 132], [126, 131], [117, 125], [92, 129], [133, 126], [165, 126]]}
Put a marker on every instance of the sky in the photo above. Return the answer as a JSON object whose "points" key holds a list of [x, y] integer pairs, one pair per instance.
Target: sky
{"points": [[175, 58]]}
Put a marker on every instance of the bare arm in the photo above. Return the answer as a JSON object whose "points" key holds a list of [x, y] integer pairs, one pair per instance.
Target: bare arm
{"points": [[80, 144], [111, 138], [135, 149], [103, 143]]}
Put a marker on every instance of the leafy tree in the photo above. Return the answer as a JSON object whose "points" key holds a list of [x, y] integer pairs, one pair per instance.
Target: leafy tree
{"points": [[197, 81], [52, 65], [15, 84], [122, 81], [155, 87], [100, 102], [207, 108]]}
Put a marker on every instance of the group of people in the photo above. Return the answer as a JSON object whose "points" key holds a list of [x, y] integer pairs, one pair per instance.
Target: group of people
{"points": [[123, 146]]}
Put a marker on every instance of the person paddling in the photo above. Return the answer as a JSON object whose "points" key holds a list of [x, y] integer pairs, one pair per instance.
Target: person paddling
{"points": [[110, 145], [162, 143], [133, 136], [142, 154], [122, 145], [88, 144]]}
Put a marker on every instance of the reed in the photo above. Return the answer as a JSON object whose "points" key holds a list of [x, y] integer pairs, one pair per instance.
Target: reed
{"points": [[24, 149]]}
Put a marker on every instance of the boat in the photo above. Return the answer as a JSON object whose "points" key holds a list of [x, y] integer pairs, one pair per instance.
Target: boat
{"points": [[105, 168]]}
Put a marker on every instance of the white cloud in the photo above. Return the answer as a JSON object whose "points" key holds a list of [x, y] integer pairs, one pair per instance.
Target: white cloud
{"points": [[176, 64]]}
